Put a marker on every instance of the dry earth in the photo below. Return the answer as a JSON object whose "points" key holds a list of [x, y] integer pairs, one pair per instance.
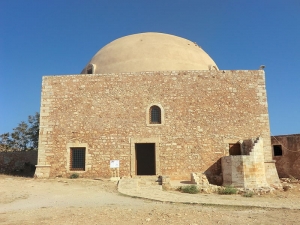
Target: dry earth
{"points": [[83, 201]]}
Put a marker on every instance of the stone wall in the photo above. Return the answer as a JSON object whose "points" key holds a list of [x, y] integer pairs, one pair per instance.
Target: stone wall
{"points": [[288, 164], [204, 111], [11, 162]]}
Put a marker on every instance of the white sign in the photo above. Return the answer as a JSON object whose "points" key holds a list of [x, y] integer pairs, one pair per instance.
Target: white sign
{"points": [[114, 163]]}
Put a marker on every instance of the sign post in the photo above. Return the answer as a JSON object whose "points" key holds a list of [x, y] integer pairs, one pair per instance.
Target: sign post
{"points": [[114, 167]]}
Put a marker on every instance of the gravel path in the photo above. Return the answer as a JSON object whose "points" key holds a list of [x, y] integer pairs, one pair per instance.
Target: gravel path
{"points": [[82, 201]]}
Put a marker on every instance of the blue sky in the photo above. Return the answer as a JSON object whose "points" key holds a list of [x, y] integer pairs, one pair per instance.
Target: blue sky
{"points": [[40, 38]]}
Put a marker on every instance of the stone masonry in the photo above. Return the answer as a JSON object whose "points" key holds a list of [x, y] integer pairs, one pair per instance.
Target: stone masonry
{"points": [[203, 112], [246, 170], [287, 163]]}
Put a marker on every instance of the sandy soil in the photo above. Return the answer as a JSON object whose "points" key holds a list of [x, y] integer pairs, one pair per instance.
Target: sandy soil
{"points": [[83, 201]]}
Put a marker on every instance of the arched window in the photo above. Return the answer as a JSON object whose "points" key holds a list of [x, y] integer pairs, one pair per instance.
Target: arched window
{"points": [[90, 69], [155, 115]]}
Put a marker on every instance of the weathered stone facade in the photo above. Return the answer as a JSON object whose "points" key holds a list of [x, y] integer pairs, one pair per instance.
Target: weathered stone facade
{"points": [[108, 114], [288, 159]]}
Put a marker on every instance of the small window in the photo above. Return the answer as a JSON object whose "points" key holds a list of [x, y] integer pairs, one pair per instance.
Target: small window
{"points": [[155, 115], [277, 150], [77, 159], [235, 149], [90, 69]]}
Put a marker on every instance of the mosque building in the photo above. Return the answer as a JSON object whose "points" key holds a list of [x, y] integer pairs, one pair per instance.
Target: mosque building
{"points": [[157, 104]]}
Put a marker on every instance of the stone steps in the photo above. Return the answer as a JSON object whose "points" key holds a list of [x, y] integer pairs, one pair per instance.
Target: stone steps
{"points": [[127, 185]]}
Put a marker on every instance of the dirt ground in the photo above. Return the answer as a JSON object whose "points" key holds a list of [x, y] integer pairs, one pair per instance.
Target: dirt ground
{"points": [[83, 201]]}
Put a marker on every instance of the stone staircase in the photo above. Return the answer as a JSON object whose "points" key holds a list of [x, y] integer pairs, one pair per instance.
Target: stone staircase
{"points": [[246, 170], [148, 180], [138, 184], [257, 147]]}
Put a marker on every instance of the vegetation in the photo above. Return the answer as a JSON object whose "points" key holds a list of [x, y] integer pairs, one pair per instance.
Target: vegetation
{"points": [[228, 190], [248, 194], [191, 189], [23, 138], [74, 176]]}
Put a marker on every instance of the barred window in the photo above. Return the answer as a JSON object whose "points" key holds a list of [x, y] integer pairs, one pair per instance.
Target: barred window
{"points": [[77, 159], [155, 115]]}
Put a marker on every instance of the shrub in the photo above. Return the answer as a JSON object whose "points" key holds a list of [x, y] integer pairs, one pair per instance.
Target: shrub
{"points": [[74, 175], [191, 189], [228, 190], [248, 194]]}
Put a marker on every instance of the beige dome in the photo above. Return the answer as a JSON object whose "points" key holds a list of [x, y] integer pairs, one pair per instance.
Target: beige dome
{"points": [[149, 52]]}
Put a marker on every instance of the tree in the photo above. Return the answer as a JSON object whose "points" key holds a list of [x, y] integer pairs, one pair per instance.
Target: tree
{"points": [[20, 137], [24, 137], [34, 125], [5, 142]]}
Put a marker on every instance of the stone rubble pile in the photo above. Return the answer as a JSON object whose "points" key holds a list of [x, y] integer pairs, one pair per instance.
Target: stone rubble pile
{"points": [[287, 183], [203, 184], [200, 180], [257, 191], [289, 180]]}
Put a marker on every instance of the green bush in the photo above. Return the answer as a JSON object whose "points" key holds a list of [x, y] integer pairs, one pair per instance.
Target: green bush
{"points": [[228, 190], [248, 194], [191, 189], [74, 175]]}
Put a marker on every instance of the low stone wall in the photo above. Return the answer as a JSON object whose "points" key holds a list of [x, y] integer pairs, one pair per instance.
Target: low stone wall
{"points": [[12, 162]]}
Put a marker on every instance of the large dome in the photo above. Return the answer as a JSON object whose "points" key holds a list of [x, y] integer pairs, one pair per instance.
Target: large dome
{"points": [[149, 52]]}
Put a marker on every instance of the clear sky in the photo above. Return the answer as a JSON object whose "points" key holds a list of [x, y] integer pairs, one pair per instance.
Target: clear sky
{"points": [[40, 38]]}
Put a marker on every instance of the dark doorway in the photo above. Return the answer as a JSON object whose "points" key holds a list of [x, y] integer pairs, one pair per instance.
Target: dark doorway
{"points": [[145, 158], [235, 149]]}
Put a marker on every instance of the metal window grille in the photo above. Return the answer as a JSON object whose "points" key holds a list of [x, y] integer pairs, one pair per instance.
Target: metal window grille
{"points": [[77, 159], [155, 114]]}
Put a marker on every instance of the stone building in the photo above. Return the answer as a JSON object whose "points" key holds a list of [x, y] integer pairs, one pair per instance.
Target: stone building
{"points": [[286, 152], [159, 105]]}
